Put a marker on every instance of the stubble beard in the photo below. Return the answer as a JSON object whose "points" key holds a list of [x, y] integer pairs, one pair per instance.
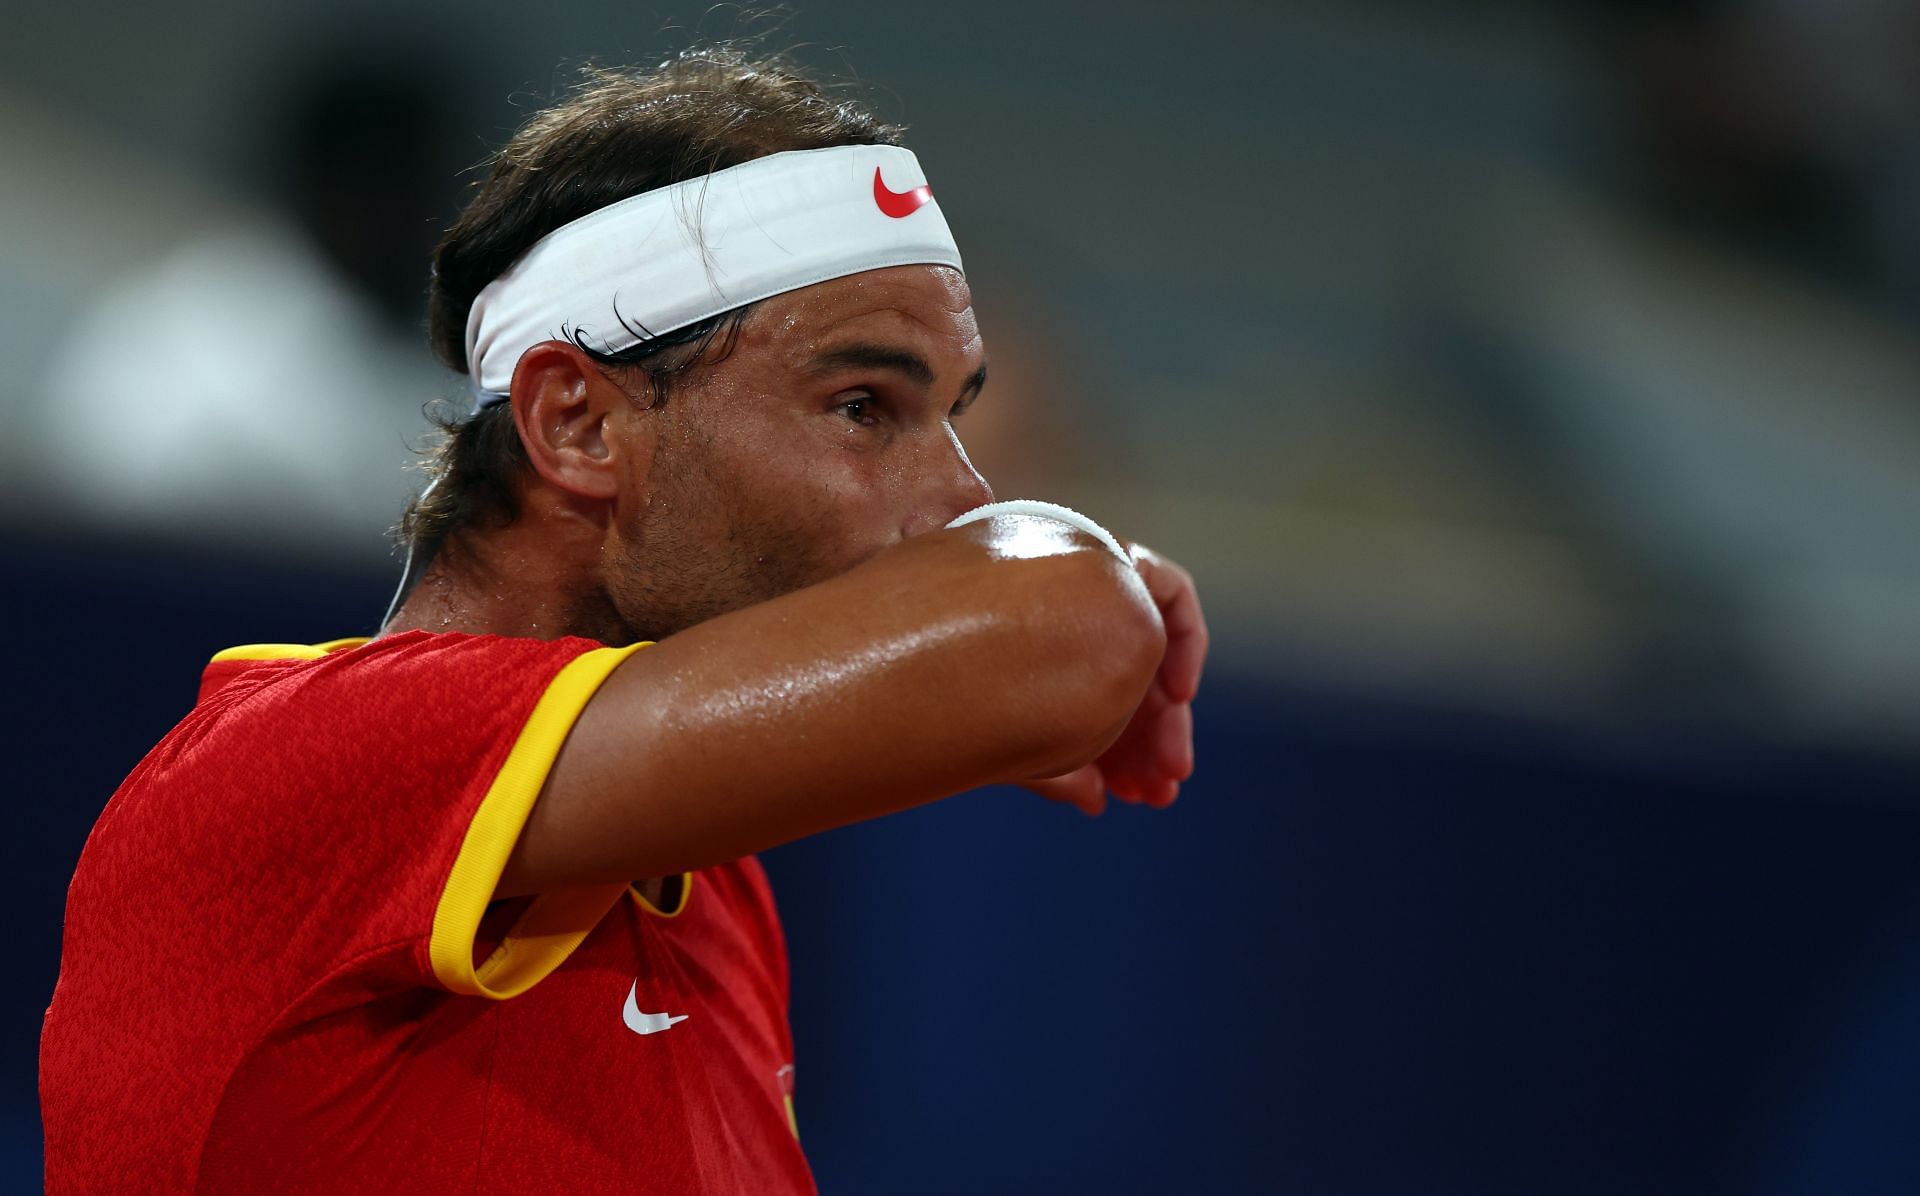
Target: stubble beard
{"points": [[675, 570]]}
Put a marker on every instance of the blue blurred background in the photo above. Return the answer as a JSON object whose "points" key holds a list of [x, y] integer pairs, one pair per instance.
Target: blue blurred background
{"points": [[1533, 388]]}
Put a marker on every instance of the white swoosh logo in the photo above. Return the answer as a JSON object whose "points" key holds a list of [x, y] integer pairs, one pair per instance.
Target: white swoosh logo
{"points": [[645, 1023]]}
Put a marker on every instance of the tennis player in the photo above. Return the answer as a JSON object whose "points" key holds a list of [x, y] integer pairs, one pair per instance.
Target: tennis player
{"points": [[473, 904]]}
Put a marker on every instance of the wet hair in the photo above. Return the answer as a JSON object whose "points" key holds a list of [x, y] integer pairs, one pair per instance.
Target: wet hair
{"points": [[616, 134]]}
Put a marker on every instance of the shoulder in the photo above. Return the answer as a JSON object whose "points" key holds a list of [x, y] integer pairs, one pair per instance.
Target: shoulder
{"points": [[415, 688], [408, 659]]}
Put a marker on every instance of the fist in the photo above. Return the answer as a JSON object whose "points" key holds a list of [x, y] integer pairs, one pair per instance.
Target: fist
{"points": [[1154, 754]]}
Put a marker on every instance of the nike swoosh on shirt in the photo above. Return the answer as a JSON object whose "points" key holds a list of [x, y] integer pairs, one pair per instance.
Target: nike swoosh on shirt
{"points": [[645, 1023], [899, 204]]}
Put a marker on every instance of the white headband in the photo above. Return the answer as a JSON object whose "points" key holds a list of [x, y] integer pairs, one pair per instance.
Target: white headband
{"points": [[662, 260]]}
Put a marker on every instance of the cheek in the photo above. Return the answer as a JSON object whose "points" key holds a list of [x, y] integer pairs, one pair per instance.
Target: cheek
{"points": [[845, 501], [830, 470], [817, 487], [845, 505]]}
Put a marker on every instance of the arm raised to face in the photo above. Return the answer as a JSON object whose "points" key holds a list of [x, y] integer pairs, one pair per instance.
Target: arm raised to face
{"points": [[1008, 649]]}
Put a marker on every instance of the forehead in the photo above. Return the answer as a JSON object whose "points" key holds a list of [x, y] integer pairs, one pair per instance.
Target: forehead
{"points": [[926, 307]]}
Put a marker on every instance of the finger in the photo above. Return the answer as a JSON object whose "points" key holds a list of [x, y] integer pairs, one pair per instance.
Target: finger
{"points": [[1139, 777], [1131, 755], [1174, 593], [1089, 790], [1124, 788], [1164, 796], [1187, 643], [1071, 788], [1173, 742]]}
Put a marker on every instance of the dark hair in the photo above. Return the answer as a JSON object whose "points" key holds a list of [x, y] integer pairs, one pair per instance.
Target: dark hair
{"points": [[617, 134]]}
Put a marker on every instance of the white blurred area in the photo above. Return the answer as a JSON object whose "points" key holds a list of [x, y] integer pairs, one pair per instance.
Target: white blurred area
{"points": [[1754, 441], [248, 393], [188, 364], [1482, 353]]}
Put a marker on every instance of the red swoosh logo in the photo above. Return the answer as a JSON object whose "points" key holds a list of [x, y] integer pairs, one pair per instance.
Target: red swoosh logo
{"points": [[898, 204]]}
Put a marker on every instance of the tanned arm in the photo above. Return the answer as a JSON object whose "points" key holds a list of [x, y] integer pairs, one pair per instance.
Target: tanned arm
{"points": [[1005, 650]]}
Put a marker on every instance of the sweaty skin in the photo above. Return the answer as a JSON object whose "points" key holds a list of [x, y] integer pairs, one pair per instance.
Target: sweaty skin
{"points": [[827, 653]]}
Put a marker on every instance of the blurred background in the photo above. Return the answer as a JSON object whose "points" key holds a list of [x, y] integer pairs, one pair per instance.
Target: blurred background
{"points": [[1532, 387]]}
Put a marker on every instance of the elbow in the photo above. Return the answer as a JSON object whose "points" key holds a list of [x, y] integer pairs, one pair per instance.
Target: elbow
{"points": [[1105, 641], [1129, 641]]}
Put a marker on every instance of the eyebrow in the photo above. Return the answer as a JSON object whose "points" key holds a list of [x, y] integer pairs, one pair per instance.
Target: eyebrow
{"points": [[884, 357]]}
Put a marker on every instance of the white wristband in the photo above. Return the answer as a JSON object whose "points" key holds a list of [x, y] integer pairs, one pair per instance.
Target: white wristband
{"points": [[1045, 510]]}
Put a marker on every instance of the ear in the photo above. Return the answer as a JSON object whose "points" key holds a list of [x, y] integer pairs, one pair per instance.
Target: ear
{"points": [[573, 421]]}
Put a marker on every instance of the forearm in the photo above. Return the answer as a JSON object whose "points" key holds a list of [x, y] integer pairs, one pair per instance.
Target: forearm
{"points": [[999, 651]]}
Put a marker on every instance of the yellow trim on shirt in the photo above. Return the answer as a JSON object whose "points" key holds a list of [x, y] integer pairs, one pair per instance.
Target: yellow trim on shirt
{"points": [[285, 651], [680, 907], [554, 923]]}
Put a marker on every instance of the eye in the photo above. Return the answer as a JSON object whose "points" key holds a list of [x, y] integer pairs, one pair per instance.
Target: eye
{"points": [[862, 410]]}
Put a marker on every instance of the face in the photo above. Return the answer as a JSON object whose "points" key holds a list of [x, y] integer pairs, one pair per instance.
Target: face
{"points": [[827, 434]]}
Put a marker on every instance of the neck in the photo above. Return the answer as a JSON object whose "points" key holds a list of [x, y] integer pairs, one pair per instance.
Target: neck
{"points": [[512, 581]]}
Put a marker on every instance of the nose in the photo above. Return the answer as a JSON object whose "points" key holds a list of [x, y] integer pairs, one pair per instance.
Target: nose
{"points": [[950, 487]]}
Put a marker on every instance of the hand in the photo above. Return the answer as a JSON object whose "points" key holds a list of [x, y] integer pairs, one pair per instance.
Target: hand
{"points": [[1155, 751]]}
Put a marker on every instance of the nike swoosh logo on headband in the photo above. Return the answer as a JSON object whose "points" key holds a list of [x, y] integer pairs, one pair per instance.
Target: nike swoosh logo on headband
{"points": [[899, 204]]}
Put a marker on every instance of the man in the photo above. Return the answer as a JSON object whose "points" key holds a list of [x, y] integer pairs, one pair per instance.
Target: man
{"points": [[369, 916]]}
